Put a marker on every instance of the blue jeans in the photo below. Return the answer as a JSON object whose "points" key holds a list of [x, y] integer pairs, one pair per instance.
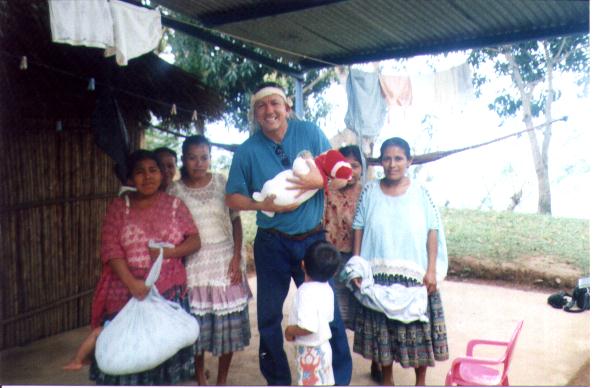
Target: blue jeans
{"points": [[277, 260]]}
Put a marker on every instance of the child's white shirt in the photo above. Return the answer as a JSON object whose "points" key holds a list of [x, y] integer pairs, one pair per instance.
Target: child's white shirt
{"points": [[313, 310]]}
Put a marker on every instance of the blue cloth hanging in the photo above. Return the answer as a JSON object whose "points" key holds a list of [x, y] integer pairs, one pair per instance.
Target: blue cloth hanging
{"points": [[367, 108]]}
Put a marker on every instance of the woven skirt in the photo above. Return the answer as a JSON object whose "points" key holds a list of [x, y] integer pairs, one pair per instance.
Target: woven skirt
{"points": [[345, 298], [221, 334], [415, 344], [180, 367]]}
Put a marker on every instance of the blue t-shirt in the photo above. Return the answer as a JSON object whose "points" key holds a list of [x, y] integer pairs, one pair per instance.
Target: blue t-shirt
{"points": [[255, 162]]}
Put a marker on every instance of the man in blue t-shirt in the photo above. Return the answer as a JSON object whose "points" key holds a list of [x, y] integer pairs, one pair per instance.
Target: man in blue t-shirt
{"points": [[282, 240]]}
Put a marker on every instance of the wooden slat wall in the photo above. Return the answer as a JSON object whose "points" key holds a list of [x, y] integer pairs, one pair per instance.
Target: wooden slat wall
{"points": [[54, 189]]}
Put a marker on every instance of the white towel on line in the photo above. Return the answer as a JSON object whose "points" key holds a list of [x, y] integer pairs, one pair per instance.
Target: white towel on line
{"points": [[137, 31], [122, 29], [81, 23]]}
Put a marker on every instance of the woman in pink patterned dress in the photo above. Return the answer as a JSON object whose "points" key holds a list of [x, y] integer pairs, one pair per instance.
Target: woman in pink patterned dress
{"points": [[129, 224], [217, 282]]}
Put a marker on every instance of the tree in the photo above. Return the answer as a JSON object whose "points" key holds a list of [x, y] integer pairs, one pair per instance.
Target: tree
{"points": [[235, 77], [155, 138], [532, 68]]}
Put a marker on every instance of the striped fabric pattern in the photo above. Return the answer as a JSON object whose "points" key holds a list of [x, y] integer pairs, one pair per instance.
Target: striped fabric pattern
{"points": [[221, 334], [417, 344]]}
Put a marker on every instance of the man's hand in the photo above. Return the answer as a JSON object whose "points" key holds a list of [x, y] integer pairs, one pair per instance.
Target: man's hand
{"points": [[311, 181], [270, 206]]}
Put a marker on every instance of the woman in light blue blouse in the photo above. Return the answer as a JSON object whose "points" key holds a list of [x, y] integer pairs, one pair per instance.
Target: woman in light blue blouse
{"points": [[397, 229]]}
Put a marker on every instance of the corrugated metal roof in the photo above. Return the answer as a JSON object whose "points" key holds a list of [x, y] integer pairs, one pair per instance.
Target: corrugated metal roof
{"points": [[318, 33]]}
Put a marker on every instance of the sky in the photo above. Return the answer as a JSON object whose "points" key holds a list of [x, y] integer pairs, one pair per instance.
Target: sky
{"points": [[484, 178]]}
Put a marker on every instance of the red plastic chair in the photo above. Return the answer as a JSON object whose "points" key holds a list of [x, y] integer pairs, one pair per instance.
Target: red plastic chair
{"points": [[470, 370]]}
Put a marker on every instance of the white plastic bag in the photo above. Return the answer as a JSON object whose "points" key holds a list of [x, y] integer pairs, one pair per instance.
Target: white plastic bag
{"points": [[145, 333]]}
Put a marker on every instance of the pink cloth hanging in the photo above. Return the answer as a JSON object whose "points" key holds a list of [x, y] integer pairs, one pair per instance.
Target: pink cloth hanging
{"points": [[397, 89]]}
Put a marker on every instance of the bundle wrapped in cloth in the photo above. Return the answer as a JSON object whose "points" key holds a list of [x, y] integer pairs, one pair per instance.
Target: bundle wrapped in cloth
{"points": [[145, 333], [331, 164]]}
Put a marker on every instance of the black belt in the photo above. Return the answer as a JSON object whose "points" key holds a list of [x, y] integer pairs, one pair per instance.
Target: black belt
{"points": [[296, 237]]}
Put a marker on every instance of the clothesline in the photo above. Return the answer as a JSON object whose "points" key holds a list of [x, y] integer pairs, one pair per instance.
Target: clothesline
{"points": [[433, 156], [417, 159], [74, 75], [227, 147]]}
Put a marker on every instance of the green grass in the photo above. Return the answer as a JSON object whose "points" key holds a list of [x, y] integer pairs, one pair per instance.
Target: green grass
{"points": [[507, 236], [501, 236]]}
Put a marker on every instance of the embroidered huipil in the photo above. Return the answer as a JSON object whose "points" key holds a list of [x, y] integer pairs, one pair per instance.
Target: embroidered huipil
{"points": [[340, 206], [396, 230], [208, 281], [125, 234]]}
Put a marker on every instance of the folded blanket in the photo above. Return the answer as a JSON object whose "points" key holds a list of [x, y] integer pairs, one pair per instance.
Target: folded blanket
{"points": [[404, 304]]}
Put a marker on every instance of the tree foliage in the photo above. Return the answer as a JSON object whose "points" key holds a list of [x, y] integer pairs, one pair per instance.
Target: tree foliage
{"points": [[236, 77], [533, 67], [155, 138], [532, 60]]}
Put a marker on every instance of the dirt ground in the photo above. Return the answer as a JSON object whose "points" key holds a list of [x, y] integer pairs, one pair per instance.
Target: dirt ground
{"points": [[553, 348], [531, 273]]}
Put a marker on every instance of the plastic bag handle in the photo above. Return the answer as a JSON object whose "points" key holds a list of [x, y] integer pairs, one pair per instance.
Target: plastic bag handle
{"points": [[153, 274], [155, 293]]}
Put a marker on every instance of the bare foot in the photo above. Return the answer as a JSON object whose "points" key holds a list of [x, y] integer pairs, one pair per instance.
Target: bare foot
{"points": [[203, 377], [73, 365], [201, 380]]}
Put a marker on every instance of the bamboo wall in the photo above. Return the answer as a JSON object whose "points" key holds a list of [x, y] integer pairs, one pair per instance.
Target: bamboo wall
{"points": [[55, 186]]}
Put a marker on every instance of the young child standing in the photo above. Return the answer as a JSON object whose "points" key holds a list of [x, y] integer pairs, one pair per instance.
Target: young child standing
{"points": [[310, 316]]}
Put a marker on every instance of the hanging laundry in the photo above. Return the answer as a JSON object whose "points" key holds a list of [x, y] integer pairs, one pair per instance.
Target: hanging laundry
{"points": [[397, 89], [423, 90], [453, 87], [137, 31], [81, 23], [366, 106]]}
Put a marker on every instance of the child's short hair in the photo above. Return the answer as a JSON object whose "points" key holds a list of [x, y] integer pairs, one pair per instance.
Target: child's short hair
{"points": [[321, 261], [353, 151], [166, 150]]}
